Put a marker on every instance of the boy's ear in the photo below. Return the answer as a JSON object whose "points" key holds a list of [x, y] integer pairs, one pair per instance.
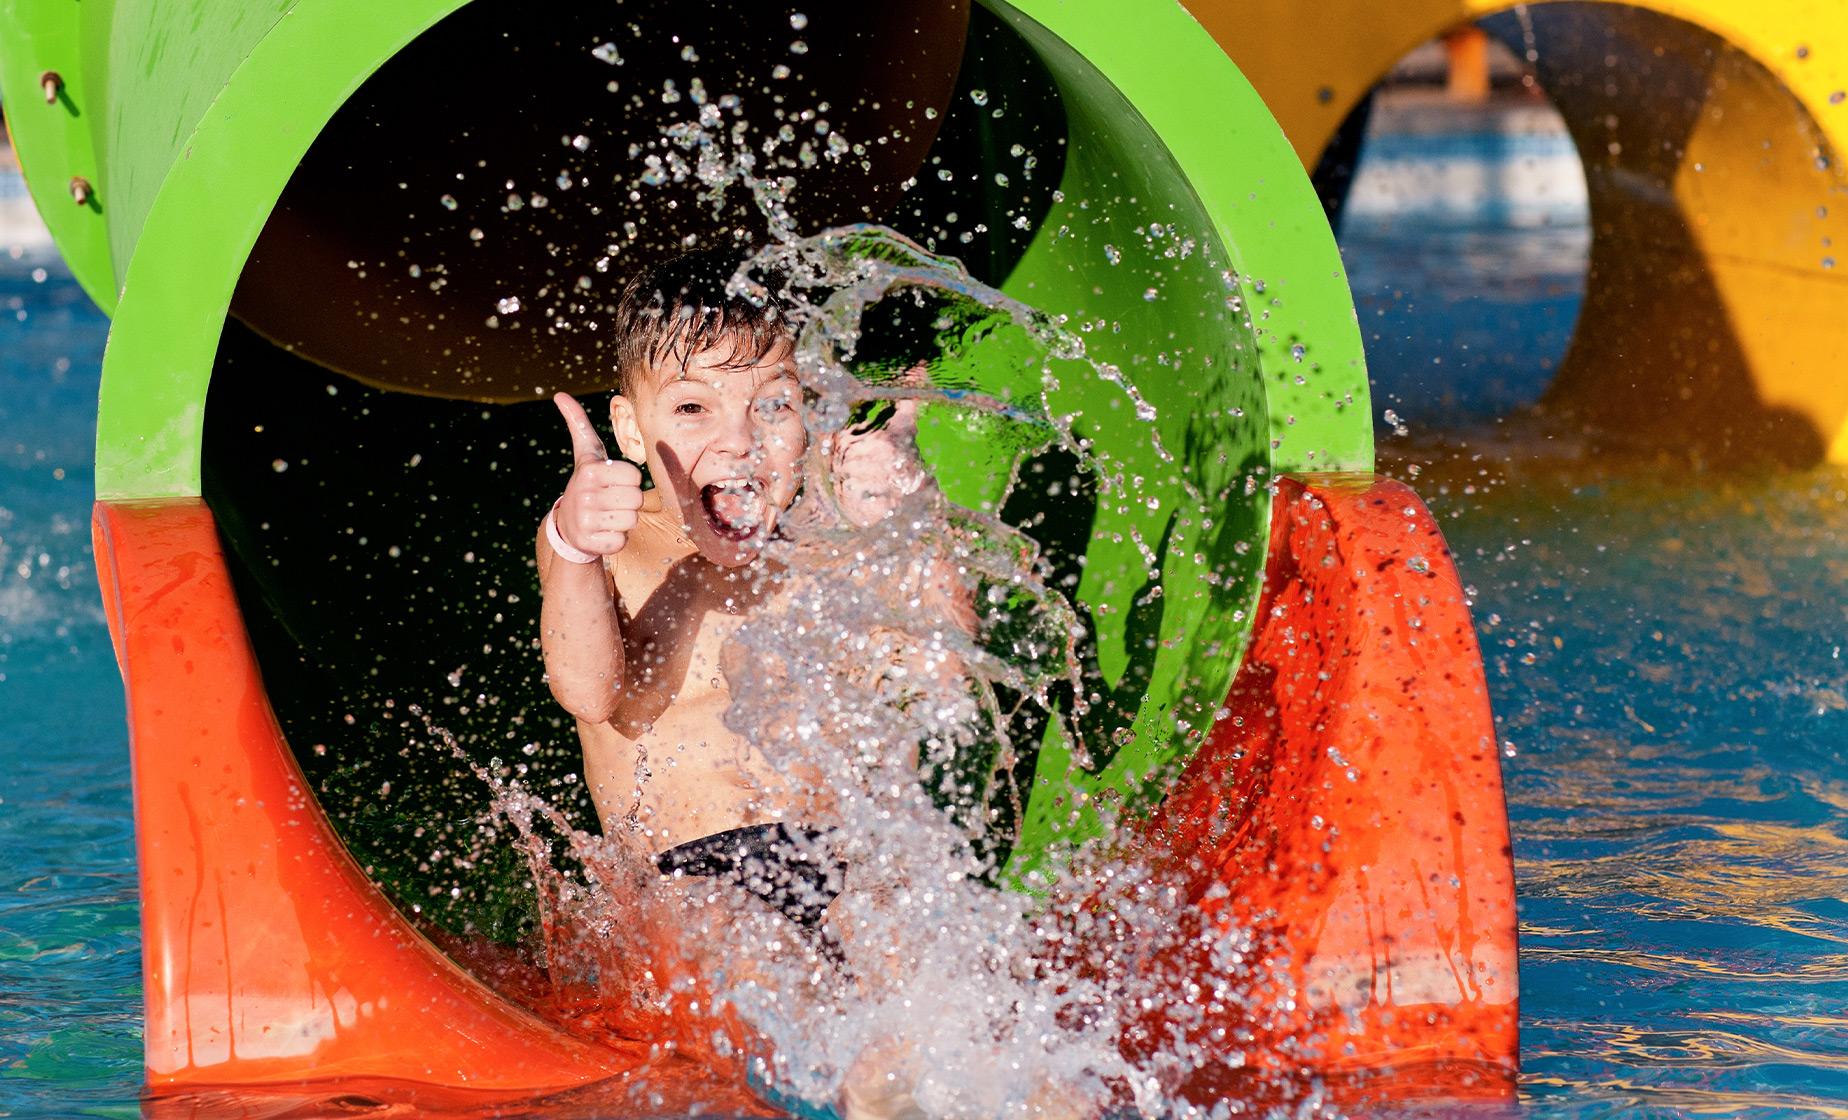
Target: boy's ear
{"points": [[628, 429]]}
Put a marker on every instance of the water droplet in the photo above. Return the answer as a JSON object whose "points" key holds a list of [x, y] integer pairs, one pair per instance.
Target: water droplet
{"points": [[779, 71], [279, 465], [1297, 351], [449, 202], [1151, 294], [979, 96], [1418, 564], [606, 52], [797, 20], [1112, 254], [476, 235], [798, 47], [508, 304]]}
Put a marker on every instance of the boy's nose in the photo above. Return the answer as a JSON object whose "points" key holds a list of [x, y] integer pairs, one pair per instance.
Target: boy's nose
{"points": [[734, 435]]}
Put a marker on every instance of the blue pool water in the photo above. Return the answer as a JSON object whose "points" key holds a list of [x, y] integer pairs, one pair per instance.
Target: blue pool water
{"points": [[70, 969], [1465, 237], [1665, 656]]}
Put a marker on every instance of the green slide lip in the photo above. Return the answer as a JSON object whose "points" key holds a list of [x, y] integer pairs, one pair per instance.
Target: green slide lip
{"points": [[1248, 178], [207, 214], [193, 157], [256, 90]]}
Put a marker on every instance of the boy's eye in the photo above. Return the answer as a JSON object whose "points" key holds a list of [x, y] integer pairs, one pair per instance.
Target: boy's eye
{"points": [[688, 408], [773, 405]]}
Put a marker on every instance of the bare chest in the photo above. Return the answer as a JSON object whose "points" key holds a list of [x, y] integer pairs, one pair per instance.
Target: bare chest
{"points": [[676, 619]]}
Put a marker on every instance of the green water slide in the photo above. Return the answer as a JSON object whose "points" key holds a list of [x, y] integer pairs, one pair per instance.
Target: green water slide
{"points": [[271, 191]]}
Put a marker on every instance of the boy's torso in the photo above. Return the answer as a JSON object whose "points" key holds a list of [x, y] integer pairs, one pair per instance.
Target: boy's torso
{"points": [[666, 758]]}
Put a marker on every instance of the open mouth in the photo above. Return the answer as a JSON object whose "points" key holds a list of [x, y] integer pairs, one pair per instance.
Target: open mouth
{"points": [[734, 507]]}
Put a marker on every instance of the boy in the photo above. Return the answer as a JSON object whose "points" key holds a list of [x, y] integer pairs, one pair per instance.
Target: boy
{"points": [[641, 589]]}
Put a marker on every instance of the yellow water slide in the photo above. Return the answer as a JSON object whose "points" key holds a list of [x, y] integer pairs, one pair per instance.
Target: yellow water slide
{"points": [[1715, 320]]}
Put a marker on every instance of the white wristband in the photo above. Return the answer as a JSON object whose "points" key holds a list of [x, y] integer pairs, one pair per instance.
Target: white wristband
{"points": [[560, 545]]}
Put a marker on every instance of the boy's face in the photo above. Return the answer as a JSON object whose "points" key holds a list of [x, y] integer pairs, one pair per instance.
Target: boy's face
{"points": [[723, 444]]}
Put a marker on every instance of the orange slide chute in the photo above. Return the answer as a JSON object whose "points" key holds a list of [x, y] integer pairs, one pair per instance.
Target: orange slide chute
{"points": [[268, 956], [1347, 811]]}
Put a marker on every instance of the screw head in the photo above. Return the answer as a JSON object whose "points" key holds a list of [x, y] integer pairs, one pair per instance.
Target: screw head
{"points": [[80, 190], [51, 82]]}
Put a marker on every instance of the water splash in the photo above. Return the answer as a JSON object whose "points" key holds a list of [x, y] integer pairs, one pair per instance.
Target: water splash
{"points": [[887, 671]]}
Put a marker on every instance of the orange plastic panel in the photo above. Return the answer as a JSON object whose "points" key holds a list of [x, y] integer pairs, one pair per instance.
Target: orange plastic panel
{"points": [[1347, 808], [267, 954]]}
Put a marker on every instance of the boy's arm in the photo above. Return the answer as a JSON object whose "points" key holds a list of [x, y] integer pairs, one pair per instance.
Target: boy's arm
{"points": [[579, 631]]}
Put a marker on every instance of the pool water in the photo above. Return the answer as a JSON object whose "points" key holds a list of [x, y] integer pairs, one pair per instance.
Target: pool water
{"points": [[1664, 655], [1465, 237], [70, 967]]}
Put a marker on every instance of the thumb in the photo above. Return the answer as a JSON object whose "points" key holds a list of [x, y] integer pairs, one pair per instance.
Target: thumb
{"points": [[586, 445]]}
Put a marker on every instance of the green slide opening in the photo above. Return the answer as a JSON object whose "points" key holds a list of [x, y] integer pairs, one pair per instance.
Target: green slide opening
{"points": [[378, 454]]}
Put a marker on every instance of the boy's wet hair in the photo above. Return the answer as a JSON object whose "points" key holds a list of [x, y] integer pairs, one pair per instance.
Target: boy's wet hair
{"points": [[679, 308]]}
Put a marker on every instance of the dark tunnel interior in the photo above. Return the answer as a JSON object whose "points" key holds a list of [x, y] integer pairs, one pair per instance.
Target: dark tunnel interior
{"points": [[378, 456]]}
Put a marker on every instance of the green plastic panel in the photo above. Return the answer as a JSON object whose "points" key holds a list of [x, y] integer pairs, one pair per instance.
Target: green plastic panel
{"points": [[1193, 245], [224, 179], [190, 167], [1236, 159], [54, 141]]}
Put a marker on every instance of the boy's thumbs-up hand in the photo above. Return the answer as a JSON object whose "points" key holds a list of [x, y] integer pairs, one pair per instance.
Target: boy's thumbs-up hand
{"points": [[876, 464], [601, 501]]}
